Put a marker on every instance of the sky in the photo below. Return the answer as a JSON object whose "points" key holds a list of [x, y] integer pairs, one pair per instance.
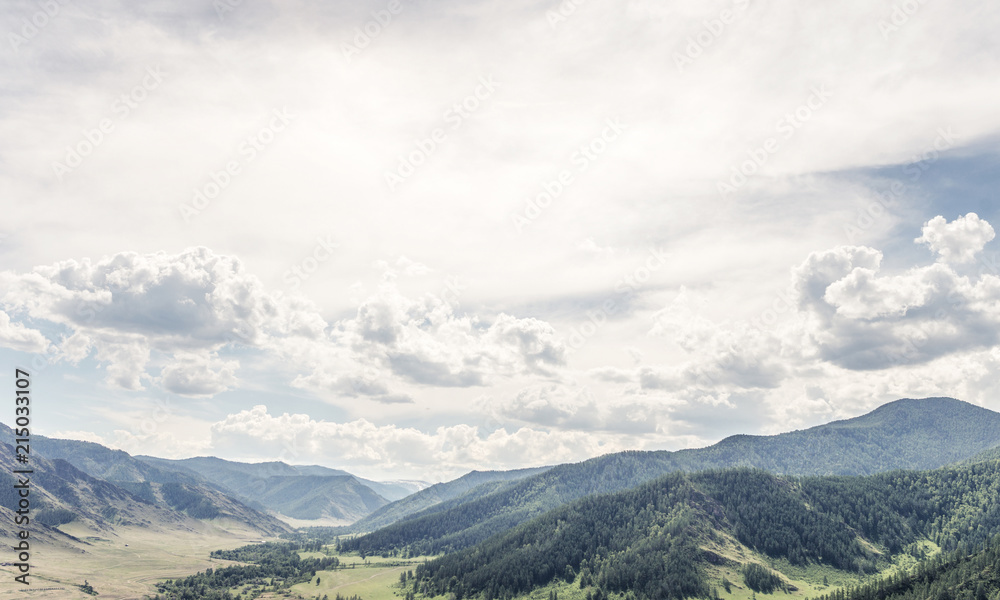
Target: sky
{"points": [[411, 238]]}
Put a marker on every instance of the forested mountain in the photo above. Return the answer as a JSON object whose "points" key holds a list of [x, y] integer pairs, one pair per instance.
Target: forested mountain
{"points": [[906, 434], [986, 455], [958, 575], [441, 496], [660, 539]]}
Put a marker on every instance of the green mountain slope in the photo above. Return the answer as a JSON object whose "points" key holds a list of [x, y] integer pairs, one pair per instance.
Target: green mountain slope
{"points": [[906, 434], [959, 575], [663, 538], [984, 456], [441, 496]]}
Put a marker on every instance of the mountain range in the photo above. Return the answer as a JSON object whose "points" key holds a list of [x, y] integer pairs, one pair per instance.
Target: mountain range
{"points": [[311, 493], [851, 494], [905, 434]]}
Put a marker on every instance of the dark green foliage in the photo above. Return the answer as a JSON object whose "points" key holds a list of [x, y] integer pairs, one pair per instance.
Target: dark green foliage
{"points": [[959, 575], [442, 496], [271, 564], [646, 540], [643, 540], [54, 517], [761, 579]]}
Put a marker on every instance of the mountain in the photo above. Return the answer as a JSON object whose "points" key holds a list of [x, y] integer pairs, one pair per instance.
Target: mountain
{"points": [[100, 461], [984, 456], [390, 490], [300, 492], [960, 574], [675, 536], [314, 497], [440, 494], [61, 493], [330, 497], [905, 434]]}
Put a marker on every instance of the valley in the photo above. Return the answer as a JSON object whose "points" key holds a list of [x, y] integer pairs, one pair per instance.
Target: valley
{"points": [[820, 512]]}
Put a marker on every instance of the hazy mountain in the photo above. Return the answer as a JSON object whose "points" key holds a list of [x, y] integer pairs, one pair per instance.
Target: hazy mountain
{"points": [[906, 434], [439, 495], [300, 492], [668, 538], [984, 456], [314, 497], [100, 461]]}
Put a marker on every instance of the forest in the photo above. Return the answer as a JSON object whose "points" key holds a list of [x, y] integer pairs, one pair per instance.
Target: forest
{"points": [[646, 540]]}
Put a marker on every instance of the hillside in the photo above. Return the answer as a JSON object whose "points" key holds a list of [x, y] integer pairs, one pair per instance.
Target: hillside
{"points": [[668, 538], [313, 497], [984, 456], [440, 494], [61, 494], [100, 461], [307, 493], [960, 574], [906, 434]]}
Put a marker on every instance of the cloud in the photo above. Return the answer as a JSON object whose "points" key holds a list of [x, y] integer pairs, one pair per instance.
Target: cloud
{"points": [[127, 306], [860, 319], [445, 452], [138, 312], [426, 342], [567, 408], [18, 337], [198, 374], [959, 241]]}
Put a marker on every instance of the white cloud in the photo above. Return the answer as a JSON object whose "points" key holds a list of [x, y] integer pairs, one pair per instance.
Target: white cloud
{"points": [[959, 241], [191, 374], [390, 449], [18, 337], [861, 320], [126, 306]]}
